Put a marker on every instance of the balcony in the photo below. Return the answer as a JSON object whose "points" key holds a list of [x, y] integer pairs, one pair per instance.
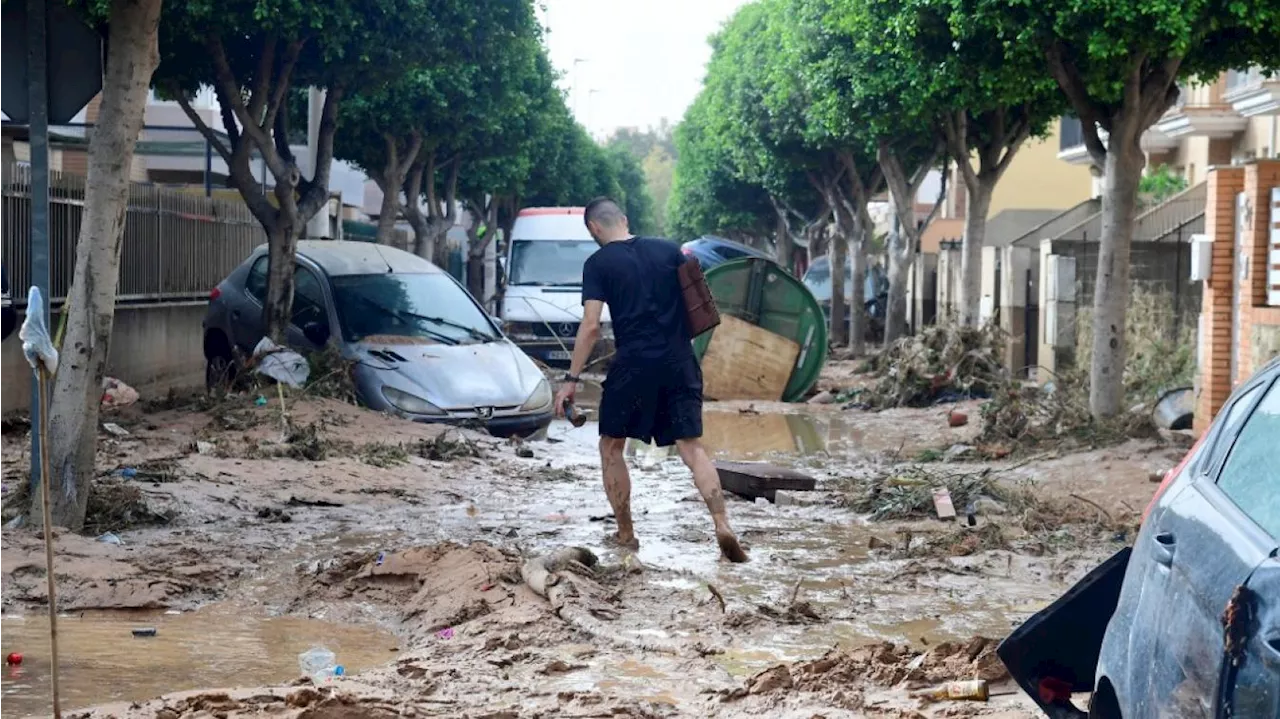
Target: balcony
{"points": [[1253, 93], [1071, 148], [1202, 111]]}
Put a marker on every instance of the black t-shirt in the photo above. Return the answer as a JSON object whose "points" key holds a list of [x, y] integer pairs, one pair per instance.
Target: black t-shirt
{"points": [[638, 280]]}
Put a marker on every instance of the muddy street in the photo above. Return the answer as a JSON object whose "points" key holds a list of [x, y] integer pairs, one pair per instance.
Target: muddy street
{"points": [[399, 547]]}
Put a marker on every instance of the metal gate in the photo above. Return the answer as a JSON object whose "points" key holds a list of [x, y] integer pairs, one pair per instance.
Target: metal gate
{"points": [[1031, 335]]}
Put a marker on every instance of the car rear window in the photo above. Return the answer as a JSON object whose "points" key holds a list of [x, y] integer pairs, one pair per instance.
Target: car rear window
{"points": [[1251, 474]]}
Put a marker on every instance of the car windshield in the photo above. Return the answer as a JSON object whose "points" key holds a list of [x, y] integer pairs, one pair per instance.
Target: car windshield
{"points": [[549, 262], [422, 306], [818, 280]]}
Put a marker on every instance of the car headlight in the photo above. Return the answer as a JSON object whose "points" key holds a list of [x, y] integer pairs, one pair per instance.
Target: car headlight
{"points": [[540, 398], [410, 403]]}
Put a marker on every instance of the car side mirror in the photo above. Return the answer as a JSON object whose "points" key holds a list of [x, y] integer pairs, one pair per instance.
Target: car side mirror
{"points": [[316, 333]]}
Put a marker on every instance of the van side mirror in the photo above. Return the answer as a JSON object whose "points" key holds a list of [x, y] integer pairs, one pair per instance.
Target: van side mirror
{"points": [[316, 333]]}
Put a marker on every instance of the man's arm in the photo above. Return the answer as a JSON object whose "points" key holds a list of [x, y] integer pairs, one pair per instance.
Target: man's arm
{"points": [[588, 335]]}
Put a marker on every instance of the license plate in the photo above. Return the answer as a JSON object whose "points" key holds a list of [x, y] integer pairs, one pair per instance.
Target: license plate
{"points": [[559, 355]]}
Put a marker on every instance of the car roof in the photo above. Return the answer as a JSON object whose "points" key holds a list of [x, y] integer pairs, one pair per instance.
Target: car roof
{"points": [[713, 240], [340, 258]]}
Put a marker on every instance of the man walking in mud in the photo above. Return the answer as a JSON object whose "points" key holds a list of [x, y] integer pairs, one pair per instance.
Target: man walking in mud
{"points": [[654, 388]]}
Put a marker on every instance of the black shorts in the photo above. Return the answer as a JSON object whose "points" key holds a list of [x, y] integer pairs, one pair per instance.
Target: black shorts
{"points": [[656, 401]]}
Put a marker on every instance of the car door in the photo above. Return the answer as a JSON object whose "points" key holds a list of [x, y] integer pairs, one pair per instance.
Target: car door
{"points": [[1200, 549], [310, 306], [1250, 478], [246, 308]]}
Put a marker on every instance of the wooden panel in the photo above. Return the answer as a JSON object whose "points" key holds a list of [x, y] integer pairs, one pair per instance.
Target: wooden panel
{"points": [[751, 480], [744, 361]]}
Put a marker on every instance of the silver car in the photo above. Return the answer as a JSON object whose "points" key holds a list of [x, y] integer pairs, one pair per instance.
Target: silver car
{"points": [[422, 347]]}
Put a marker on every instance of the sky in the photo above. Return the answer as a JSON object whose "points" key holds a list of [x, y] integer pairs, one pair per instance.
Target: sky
{"points": [[644, 59]]}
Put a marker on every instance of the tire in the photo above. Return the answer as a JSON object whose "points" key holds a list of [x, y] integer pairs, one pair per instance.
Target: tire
{"points": [[220, 365]]}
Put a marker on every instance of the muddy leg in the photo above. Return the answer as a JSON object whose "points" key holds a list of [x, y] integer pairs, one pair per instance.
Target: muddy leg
{"points": [[707, 481], [617, 486]]}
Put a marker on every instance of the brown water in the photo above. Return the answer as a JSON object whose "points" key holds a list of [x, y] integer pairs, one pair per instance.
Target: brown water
{"points": [[220, 646]]}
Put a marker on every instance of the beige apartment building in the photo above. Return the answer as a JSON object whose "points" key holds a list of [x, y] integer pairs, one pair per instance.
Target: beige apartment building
{"points": [[1230, 121]]}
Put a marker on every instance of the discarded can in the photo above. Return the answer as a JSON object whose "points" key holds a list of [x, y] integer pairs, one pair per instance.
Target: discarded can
{"points": [[144, 632], [576, 417], [973, 689]]}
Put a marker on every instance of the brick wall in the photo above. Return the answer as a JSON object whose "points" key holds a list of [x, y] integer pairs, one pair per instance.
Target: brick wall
{"points": [[1215, 313], [1259, 325]]}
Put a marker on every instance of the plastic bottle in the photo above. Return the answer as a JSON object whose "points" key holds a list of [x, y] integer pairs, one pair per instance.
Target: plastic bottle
{"points": [[975, 689], [575, 416], [318, 663]]}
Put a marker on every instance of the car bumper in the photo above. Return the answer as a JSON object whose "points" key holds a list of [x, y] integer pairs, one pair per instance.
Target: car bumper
{"points": [[555, 354], [1060, 645], [521, 425]]}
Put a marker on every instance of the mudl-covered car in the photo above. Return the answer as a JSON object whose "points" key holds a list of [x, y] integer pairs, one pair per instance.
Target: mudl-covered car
{"points": [[875, 293], [710, 251], [1186, 622], [422, 347]]}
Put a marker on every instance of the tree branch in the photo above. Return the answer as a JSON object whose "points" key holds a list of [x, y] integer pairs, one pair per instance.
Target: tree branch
{"points": [[1091, 114], [955, 128], [228, 90], [210, 136], [1163, 91], [451, 190], [280, 93], [1012, 143], [262, 84], [433, 202], [315, 192]]}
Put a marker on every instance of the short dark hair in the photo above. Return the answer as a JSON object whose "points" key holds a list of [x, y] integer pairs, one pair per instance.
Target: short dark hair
{"points": [[603, 211]]}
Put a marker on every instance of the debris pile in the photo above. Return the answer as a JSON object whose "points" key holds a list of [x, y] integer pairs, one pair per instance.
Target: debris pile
{"points": [[885, 664], [1025, 416], [116, 505], [907, 491], [939, 364]]}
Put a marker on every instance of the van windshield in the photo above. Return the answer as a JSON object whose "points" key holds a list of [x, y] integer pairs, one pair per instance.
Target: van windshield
{"points": [[549, 262]]}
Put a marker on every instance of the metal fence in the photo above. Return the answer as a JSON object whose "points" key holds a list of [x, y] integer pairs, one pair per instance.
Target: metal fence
{"points": [[176, 245]]}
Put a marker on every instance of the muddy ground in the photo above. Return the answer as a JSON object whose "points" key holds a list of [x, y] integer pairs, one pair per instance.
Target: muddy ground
{"points": [[400, 547]]}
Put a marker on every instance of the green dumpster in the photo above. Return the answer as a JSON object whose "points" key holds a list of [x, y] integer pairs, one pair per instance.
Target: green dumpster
{"points": [[759, 291]]}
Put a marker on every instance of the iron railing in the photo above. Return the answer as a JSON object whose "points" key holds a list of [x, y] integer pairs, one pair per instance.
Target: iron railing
{"points": [[176, 245]]}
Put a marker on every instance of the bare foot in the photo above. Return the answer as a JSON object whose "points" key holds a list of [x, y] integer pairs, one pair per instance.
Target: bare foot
{"points": [[729, 546], [614, 540]]}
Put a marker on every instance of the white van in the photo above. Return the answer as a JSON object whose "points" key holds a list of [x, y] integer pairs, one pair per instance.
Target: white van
{"points": [[542, 304]]}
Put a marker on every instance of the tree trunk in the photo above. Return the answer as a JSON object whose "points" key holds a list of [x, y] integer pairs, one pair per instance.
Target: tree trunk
{"points": [[1123, 172], [975, 236], [858, 308], [895, 321], [132, 56], [282, 246], [388, 214], [783, 245], [839, 305]]}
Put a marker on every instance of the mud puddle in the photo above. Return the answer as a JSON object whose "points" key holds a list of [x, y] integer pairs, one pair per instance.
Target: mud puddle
{"points": [[219, 646]]}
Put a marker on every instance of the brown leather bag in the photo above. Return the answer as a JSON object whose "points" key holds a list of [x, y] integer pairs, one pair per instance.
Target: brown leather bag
{"points": [[698, 302]]}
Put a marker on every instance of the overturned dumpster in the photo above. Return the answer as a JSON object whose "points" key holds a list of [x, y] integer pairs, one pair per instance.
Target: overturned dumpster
{"points": [[772, 340]]}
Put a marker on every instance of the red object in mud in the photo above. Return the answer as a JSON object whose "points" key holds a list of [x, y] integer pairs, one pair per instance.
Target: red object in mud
{"points": [[14, 659], [1053, 690], [957, 419]]}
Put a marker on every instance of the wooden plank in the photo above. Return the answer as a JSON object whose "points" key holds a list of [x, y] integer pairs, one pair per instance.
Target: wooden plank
{"points": [[753, 479], [744, 361]]}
